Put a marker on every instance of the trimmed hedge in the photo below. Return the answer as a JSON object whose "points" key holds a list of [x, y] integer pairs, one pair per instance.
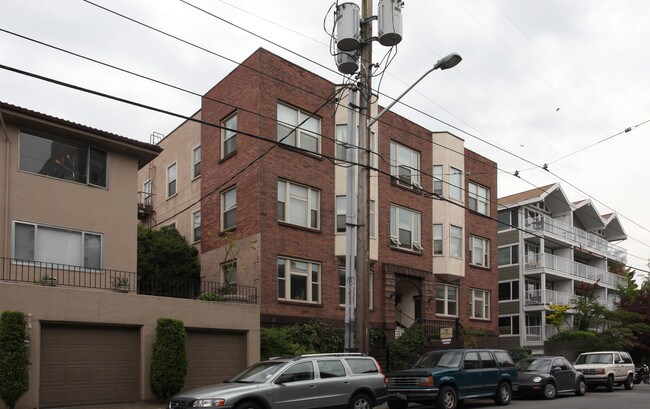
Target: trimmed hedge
{"points": [[168, 359], [14, 363], [406, 349]]}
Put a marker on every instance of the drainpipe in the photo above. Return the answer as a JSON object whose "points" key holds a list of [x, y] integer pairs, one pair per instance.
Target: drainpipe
{"points": [[5, 216]]}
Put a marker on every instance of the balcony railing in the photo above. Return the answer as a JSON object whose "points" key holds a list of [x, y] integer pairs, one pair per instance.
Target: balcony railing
{"points": [[543, 297], [571, 269], [54, 274], [534, 333], [553, 228]]}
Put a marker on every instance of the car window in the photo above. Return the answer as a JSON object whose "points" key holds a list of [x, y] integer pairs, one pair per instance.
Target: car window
{"points": [[448, 359], [626, 357], [471, 361], [303, 371], [534, 365], [487, 361], [594, 359], [330, 368], [559, 363], [568, 364], [258, 373], [504, 359], [361, 366]]}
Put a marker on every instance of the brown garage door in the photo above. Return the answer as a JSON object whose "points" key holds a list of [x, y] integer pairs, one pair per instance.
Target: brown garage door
{"points": [[83, 365], [213, 357]]}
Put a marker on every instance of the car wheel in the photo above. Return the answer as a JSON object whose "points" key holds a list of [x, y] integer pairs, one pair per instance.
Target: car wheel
{"points": [[610, 383], [397, 404], [629, 382], [248, 405], [447, 398], [581, 389], [550, 391], [504, 394], [360, 401]]}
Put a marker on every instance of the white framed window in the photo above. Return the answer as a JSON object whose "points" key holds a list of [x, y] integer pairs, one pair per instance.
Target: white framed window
{"points": [[479, 197], [298, 280], [171, 180], [508, 255], [437, 240], [196, 226], [372, 215], [479, 251], [405, 228], [405, 165], [147, 189], [299, 205], [40, 243], [341, 213], [446, 299], [341, 142], [229, 273], [342, 288], [229, 136], [298, 128], [229, 209], [61, 159], [479, 304], [509, 325], [456, 241], [508, 219], [196, 162], [437, 179], [455, 183], [509, 290]]}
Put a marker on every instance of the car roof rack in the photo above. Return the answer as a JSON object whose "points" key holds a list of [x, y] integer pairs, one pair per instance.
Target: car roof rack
{"points": [[329, 354]]}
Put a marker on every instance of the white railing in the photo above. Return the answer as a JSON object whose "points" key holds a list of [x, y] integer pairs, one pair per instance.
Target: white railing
{"points": [[543, 297], [534, 333], [548, 226], [571, 269]]}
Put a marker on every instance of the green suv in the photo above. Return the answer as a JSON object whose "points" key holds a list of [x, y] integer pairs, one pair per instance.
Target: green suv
{"points": [[446, 377]]}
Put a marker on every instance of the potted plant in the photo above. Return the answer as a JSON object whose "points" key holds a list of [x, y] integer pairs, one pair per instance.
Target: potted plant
{"points": [[121, 284], [48, 280]]}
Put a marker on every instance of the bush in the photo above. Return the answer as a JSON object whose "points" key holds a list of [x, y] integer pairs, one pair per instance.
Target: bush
{"points": [[406, 349], [314, 336], [168, 359], [473, 337], [14, 363]]}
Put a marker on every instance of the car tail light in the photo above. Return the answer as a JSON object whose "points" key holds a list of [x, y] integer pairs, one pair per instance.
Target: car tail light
{"points": [[381, 371]]}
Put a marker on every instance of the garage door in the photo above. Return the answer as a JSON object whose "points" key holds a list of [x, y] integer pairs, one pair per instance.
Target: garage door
{"points": [[213, 357], [83, 365]]}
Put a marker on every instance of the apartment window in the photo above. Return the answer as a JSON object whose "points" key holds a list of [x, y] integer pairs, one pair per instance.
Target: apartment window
{"points": [[342, 287], [298, 128], [62, 159], [229, 273], [405, 165], [479, 304], [299, 205], [147, 189], [446, 299], [196, 226], [196, 162], [371, 216], [342, 142], [229, 136], [509, 325], [437, 239], [437, 180], [455, 183], [47, 244], [341, 209], [171, 180], [509, 290], [229, 209], [405, 228], [456, 241], [508, 219], [298, 280], [508, 255], [478, 198], [479, 251]]}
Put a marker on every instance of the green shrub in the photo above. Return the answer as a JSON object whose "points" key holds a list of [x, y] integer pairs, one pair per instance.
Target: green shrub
{"points": [[168, 359], [406, 349], [209, 296], [14, 363], [585, 341], [473, 337]]}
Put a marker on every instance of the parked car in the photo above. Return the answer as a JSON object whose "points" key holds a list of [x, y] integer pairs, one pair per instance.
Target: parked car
{"points": [[606, 368], [449, 376], [345, 380], [546, 376]]}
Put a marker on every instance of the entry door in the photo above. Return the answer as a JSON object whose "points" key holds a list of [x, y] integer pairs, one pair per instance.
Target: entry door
{"points": [[417, 305]]}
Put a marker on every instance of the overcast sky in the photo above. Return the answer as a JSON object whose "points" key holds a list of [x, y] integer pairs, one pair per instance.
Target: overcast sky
{"points": [[539, 80]]}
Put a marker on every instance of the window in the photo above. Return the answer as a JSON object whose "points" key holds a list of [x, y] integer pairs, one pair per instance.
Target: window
{"points": [[303, 371], [479, 304], [196, 162], [360, 366], [505, 361], [479, 251], [446, 299], [171, 180], [342, 142], [342, 287], [437, 180], [508, 255], [330, 368], [509, 291], [456, 241], [298, 128], [229, 209], [405, 228], [299, 205], [229, 136], [455, 183], [437, 239], [479, 197], [487, 361], [147, 189], [341, 213], [471, 361], [34, 242], [196, 226], [298, 280], [371, 221], [508, 219], [229, 273], [63, 160], [405, 165], [509, 325]]}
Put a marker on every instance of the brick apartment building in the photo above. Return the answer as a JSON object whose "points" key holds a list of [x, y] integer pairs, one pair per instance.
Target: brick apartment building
{"points": [[272, 215]]}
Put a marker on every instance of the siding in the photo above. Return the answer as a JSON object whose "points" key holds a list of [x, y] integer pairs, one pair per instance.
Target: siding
{"points": [[509, 308], [508, 237], [509, 273]]}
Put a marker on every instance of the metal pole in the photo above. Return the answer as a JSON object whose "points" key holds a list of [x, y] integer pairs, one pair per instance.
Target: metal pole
{"points": [[351, 226]]}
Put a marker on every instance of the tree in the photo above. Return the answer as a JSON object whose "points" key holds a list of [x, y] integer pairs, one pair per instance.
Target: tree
{"points": [[635, 314], [14, 364], [556, 318], [167, 264], [168, 359]]}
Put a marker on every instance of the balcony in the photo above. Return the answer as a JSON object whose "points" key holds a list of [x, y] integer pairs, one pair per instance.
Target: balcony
{"points": [[145, 205], [54, 275], [534, 333], [564, 267], [546, 297], [549, 227]]}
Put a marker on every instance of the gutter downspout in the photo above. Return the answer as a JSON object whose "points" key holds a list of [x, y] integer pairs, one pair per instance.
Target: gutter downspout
{"points": [[5, 216]]}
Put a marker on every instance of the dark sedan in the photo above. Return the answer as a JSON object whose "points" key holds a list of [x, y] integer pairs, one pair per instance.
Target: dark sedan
{"points": [[546, 376]]}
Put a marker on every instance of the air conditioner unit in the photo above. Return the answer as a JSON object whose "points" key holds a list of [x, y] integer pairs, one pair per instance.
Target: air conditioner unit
{"points": [[395, 241], [418, 246]]}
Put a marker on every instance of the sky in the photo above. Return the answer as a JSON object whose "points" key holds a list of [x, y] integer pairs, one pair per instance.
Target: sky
{"points": [[542, 82]]}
